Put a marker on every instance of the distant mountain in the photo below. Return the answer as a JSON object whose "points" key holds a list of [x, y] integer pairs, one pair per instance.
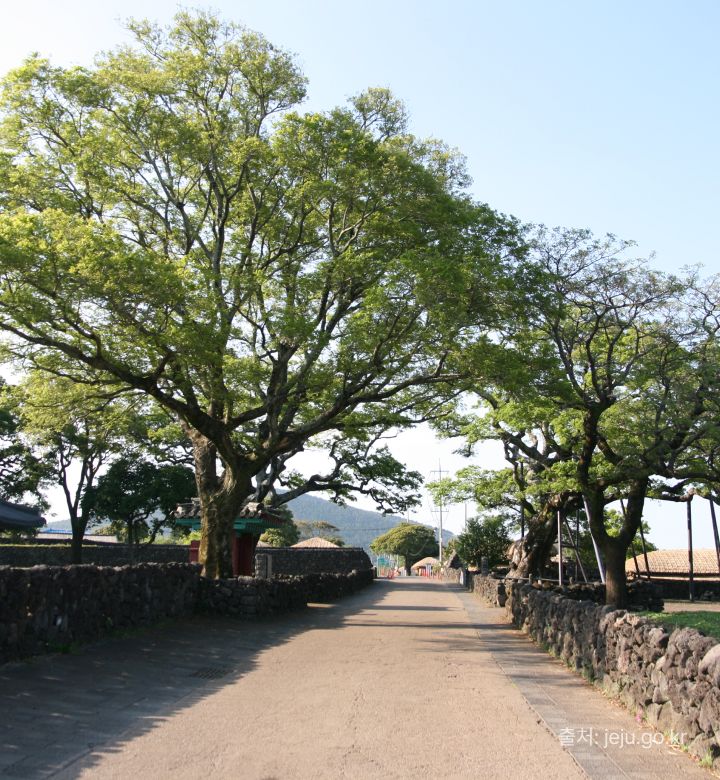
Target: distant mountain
{"points": [[357, 527]]}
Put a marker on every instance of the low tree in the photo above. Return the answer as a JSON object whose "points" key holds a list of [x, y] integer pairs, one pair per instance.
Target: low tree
{"points": [[484, 538], [78, 432], [138, 498], [310, 528], [411, 541], [285, 535], [338, 541], [23, 469]]}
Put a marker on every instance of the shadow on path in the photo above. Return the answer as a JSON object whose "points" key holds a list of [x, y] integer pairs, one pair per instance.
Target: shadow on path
{"points": [[59, 709]]}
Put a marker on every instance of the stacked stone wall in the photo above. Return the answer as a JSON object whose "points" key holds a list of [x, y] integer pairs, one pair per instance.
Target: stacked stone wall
{"points": [[285, 561], [255, 597], [60, 554], [50, 608], [670, 677], [294, 561], [706, 590], [457, 576], [490, 589]]}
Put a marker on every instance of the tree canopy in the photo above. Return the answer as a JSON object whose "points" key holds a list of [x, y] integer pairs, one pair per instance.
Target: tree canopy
{"points": [[283, 536], [605, 392], [138, 497], [170, 226], [410, 540], [76, 432], [484, 538], [23, 470]]}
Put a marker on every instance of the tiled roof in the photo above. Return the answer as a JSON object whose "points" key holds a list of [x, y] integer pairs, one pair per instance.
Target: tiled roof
{"points": [[675, 562], [316, 541], [16, 516]]}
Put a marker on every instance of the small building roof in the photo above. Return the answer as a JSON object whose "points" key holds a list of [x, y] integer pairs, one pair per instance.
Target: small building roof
{"points": [[316, 541], [675, 562], [429, 561], [16, 517], [254, 518]]}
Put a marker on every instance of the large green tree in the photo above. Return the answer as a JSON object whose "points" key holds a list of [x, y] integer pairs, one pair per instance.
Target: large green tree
{"points": [[169, 226], [635, 379], [410, 540], [604, 393]]}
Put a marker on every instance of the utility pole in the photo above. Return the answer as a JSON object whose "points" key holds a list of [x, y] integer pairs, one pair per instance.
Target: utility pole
{"points": [[690, 547], [440, 473]]}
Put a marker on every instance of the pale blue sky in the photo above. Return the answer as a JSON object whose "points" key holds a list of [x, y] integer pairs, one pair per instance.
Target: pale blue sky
{"points": [[584, 114]]}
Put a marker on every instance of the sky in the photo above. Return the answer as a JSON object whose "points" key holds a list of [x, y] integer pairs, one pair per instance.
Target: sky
{"points": [[600, 115]]}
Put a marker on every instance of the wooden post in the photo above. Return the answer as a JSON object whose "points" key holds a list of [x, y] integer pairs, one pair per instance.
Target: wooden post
{"points": [[690, 550], [577, 550], [637, 565], [715, 530], [560, 548], [601, 568], [645, 555], [577, 540]]}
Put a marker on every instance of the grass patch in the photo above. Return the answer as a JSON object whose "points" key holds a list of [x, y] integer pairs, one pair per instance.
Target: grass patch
{"points": [[707, 622], [588, 674], [707, 760]]}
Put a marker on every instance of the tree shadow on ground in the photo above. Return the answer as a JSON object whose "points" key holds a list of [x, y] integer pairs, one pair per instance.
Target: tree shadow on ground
{"points": [[63, 713]]}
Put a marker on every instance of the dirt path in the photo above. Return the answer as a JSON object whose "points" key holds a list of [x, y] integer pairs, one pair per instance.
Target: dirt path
{"points": [[406, 679]]}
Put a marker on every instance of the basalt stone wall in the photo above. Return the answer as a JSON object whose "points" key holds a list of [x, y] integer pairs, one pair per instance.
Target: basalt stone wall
{"points": [[489, 589], [256, 597], [642, 595], [456, 576], [680, 589], [295, 561], [672, 678], [285, 561], [250, 596], [55, 554], [49, 607]]}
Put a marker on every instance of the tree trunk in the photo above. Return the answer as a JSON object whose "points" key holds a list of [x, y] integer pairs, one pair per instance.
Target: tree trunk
{"points": [[536, 546], [78, 525], [131, 542], [77, 546], [221, 500], [614, 548], [614, 551], [219, 510]]}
